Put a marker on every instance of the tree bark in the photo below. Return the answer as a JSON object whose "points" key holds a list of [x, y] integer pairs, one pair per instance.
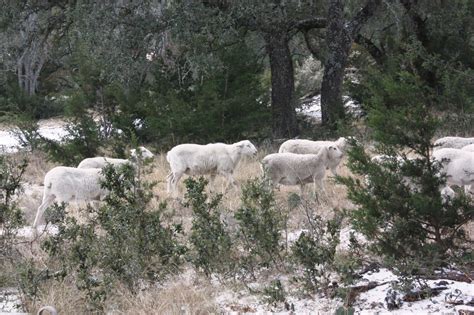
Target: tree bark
{"points": [[340, 35], [338, 42], [284, 124], [33, 57]]}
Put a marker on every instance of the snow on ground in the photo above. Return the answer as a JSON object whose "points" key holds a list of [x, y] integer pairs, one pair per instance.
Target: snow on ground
{"points": [[10, 301], [51, 129], [373, 301], [311, 108], [231, 302]]}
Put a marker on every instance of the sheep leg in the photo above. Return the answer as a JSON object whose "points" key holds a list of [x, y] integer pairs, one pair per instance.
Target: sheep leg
{"points": [[174, 181], [230, 181], [302, 187], [212, 181], [319, 184], [47, 201], [468, 189], [169, 179]]}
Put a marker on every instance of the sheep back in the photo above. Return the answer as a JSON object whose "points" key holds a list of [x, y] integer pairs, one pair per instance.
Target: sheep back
{"points": [[452, 142], [100, 162], [69, 183], [292, 169]]}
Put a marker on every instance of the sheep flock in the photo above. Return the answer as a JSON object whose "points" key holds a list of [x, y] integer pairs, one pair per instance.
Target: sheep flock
{"points": [[297, 162]]}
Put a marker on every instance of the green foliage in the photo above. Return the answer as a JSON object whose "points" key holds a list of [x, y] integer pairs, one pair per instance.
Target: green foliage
{"points": [[399, 205], [224, 105], [14, 102], [83, 140], [122, 241], [11, 216], [274, 293], [261, 224], [345, 311], [211, 249], [315, 251]]}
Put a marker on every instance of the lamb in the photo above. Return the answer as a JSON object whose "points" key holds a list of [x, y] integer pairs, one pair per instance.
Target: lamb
{"points": [[452, 142], [458, 166], [303, 146], [65, 184], [300, 169], [212, 158], [101, 161], [469, 147]]}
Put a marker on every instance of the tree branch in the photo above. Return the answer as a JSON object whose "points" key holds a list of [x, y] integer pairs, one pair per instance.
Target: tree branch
{"points": [[418, 21], [377, 53], [354, 26], [308, 24]]}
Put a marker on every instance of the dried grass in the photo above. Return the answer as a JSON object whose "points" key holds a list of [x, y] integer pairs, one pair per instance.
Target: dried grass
{"points": [[178, 296]]}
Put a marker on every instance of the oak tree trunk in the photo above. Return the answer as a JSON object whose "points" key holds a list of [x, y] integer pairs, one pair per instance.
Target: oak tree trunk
{"points": [[284, 124], [340, 34], [339, 45]]}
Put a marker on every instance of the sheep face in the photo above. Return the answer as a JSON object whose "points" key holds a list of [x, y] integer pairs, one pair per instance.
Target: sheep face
{"points": [[246, 148], [334, 153], [144, 153]]}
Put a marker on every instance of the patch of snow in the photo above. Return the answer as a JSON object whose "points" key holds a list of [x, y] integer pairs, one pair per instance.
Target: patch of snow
{"points": [[53, 133], [8, 143], [373, 301], [10, 301], [382, 275], [311, 108], [28, 232], [345, 237], [242, 302], [293, 236], [138, 123], [51, 130]]}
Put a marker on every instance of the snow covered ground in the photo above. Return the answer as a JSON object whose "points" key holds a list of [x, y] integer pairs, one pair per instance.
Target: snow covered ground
{"points": [[372, 302], [452, 293], [51, 129], [10, 301]]}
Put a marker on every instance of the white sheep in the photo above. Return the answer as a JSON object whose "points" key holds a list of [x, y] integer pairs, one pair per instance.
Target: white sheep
{"points": [[213, 158], [452, 142], [458, 165], [101, 161], [446, 192], [469, 147], [303, 146], [66, 184], [300, 169]]}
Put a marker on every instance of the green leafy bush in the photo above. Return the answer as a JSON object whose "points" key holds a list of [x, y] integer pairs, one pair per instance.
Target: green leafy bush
{"points": [[315, 251], [14, 102], [261, 224], [211, 245], [11, 216]]}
